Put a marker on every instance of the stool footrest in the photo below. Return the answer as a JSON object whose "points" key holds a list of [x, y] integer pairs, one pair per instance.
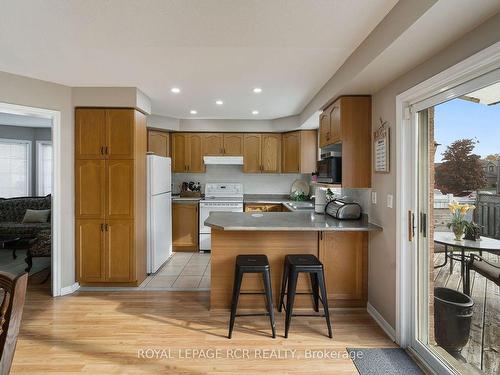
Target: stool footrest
{"points": [[253, 314], [254, 293]]}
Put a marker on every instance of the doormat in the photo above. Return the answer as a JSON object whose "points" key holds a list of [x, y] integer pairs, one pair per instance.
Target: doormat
{"points": [[388, 361]]}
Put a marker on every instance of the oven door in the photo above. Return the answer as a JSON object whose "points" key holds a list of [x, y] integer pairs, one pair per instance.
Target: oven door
{"points": [[207, 207]]}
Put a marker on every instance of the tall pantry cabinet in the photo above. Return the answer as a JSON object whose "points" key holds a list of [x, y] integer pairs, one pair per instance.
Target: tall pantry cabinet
{"points": [[110, 196]]}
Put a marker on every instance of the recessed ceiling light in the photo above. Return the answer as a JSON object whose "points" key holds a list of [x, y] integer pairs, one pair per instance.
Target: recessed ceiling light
{"points": [[257, 90], [193, 112], [255, 112], [175, 90], [219, 102]]}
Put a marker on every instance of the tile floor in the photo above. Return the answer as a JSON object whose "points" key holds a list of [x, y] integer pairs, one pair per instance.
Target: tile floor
{"points": [[184, 271]]}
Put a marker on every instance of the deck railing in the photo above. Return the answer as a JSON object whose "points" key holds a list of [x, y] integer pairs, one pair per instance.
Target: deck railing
{"points": [[487, 215]]}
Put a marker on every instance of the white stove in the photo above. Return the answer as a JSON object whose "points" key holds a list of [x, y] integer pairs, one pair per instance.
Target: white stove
{"points": [[219, 197]]}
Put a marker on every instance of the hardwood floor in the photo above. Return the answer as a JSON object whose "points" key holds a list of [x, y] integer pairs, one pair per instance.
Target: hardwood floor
{"points": [[110, 332]]}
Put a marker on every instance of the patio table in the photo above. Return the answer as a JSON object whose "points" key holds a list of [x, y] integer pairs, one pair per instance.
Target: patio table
{"points": [[448, 239]]}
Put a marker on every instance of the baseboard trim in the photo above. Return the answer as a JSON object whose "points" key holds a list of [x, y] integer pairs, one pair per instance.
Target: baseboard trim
{"points": [[386, 327], [69, 289]]}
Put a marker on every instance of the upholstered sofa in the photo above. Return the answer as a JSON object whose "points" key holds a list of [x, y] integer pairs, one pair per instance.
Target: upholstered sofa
{"points": [[12, 211]]}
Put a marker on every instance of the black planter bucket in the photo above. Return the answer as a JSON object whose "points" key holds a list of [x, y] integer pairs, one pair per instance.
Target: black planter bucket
{"points": [[452, 318]]}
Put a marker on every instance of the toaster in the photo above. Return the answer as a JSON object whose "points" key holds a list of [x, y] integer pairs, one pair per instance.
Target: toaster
{"points": [[343, 210]]}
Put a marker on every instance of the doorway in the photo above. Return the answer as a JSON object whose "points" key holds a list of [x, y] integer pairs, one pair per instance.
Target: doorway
{"points": [[426, 181], [32, 163]]}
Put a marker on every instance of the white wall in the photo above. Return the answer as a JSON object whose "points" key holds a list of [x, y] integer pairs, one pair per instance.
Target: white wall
{"points": [[126, 97], [253, 183]]}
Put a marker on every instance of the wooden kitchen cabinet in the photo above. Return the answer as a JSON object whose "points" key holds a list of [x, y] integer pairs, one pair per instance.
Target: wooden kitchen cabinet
{"points": [[90, 197], [90, 256], [262, 153], [179, 152], [348, 121], [110, 196], [90, 133], [119, 245], [195, 153], [251, 153], [345, 259], [259, 207], [299, 151], [233, 144], [213, 144], [271, 153], [158, 143], [187, 153], [185, 221]]}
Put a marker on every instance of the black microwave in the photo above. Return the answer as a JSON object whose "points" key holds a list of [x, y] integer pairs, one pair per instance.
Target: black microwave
{"points": [[330, 168]]}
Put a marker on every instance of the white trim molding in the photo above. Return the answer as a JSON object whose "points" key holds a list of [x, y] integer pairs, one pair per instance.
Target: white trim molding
{"points": [[55, 117], [477, 71], [379, 319], [69, 289]]}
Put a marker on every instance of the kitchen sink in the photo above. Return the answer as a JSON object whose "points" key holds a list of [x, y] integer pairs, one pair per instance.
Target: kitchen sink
{"points": [[301, 205]]}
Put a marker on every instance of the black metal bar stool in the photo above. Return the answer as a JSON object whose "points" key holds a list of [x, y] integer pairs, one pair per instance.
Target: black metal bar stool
{"points": [[252, 264], [307, 263]]}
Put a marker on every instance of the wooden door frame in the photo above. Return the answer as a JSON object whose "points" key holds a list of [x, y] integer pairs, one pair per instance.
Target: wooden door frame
{"points": [[55, 117], [448, 84]]}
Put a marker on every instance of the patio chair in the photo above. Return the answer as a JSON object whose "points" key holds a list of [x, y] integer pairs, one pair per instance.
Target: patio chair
{"points": [[488, 269]]}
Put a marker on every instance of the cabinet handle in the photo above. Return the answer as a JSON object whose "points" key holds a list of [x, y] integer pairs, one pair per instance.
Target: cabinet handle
{"points": [[102, 150], [106, 227], [102, 227]]}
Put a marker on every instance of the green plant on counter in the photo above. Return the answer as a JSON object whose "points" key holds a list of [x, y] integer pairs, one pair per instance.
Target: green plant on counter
{"points": [[299, 196]]}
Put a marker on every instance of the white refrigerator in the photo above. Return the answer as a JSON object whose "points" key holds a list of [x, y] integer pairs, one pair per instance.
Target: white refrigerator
{"points": [[159, 201]]}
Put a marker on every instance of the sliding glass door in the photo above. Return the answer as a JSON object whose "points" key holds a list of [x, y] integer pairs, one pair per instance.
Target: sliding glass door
{"points": [[455, 287]]}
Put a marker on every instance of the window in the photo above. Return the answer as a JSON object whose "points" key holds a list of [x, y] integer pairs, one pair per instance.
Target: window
{"points": [[15, 168], [492, 169], [44, 167]]}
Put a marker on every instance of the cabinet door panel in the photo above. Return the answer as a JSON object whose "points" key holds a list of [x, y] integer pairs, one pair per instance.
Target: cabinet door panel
{"points": [[195, 157], [324, 127], [271, 153], [90, 259], [335, 118], [158, 143], [291, 153], [179, 162], [120, 133], [185, 226], [251, 153], [90, 133], [120, 188], [119, 237], [90, 189], [213, 144], [233, 144], [344, 256]]}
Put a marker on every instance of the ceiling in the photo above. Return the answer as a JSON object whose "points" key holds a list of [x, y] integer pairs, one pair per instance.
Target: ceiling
{"points": [[210, 49]]}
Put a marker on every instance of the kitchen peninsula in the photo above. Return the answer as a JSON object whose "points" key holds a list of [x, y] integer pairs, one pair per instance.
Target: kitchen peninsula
{"points": [[342, 247]]}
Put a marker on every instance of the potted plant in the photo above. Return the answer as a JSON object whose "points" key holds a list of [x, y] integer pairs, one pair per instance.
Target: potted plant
{"points": [[458, 222], [472, 231]]}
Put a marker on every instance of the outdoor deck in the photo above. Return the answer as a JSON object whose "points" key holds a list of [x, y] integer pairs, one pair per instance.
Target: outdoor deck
{"points": [[483, 348]]}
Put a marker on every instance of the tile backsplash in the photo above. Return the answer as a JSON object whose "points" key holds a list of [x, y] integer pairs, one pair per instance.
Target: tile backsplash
{"points": [[253, 183]]}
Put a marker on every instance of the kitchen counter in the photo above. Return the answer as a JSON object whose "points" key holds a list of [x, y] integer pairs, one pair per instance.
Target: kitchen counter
{"points": [[266, 198], [185, 199], [285, 221]]}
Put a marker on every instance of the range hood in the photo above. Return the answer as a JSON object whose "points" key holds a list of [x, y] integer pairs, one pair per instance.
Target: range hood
{"points": [[223, 160]]}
